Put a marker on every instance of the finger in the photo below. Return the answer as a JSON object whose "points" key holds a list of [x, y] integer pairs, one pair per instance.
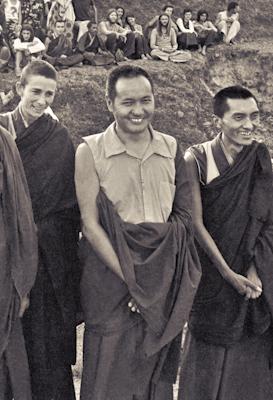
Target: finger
{"points": [[252, 285], [133, 309], [138, 311], [248, 293], [130, 304]]}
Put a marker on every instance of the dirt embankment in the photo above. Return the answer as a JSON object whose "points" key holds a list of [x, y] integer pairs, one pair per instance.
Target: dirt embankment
{"points": [[183, 92]]}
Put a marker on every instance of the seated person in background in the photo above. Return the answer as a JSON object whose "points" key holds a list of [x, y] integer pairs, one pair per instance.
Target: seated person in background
{"points": [[13, 20], [33, 13], [164, 44], [228, 23], [4, 52], [62, 10], [187, 37], [167, 9], [121, 15], [206, 31], [141, 43], [85, 11], [92, 47], [27, 47], [59, 48], [119, 41]]}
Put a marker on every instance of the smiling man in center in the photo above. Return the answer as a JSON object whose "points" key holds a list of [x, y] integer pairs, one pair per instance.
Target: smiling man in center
{"points": [[140, 269]]}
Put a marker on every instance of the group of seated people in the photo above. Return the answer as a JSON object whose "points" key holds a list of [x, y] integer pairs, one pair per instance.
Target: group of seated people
{"points": [[67, 32]]}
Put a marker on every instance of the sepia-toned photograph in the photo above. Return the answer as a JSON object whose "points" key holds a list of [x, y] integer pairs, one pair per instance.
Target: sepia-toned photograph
{"points": [[136, 200]]}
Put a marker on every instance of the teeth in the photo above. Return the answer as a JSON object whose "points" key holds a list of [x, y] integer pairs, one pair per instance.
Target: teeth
{"points": [[246, 133], [136, 120]]}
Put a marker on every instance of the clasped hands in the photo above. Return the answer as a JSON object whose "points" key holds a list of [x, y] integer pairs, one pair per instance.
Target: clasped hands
{"points": [[250, 286], [133, 306]]}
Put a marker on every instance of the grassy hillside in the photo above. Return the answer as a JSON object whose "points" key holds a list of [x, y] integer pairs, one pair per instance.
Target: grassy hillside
{"points": [[256, 15], [183, 92]]}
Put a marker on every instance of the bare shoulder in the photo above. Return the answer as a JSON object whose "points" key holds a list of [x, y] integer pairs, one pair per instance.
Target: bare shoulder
{"points": [[84, 158]]}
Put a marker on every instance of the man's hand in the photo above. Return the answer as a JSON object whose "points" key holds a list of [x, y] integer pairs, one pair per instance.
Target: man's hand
{"points": [[244, 286], [23, 306], [133, 306], [254, 278]]}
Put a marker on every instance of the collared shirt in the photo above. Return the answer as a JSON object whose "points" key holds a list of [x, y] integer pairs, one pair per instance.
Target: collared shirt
{"points": [[141, 190]]}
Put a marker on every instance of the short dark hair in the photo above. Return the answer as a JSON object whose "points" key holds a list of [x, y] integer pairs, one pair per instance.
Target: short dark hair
{"points": [[125, 71], [167, 6], [59, 21], [232, 5], [186, 10], [220, 105], [90, 23], [201, 12], [40, 68]]}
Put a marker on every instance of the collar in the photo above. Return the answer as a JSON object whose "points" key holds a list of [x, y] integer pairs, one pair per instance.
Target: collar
{"points": [[21, 115], [113, 145]]}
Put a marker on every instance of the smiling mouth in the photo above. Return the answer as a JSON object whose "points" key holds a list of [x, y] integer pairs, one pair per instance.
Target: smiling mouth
{"points": [[38, 110], [136, 121], [247, 134]]}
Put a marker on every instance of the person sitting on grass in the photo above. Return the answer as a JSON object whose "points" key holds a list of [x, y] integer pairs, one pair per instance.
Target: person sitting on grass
{"points": [[164, 44], [62, 10], [93, 49], [33, 13], [228, 23], [141, 43], [167, 9], [27, 47], [85, 11], [119, 41], [121, 16], [59, 48], [206, 31], [187, 37]]}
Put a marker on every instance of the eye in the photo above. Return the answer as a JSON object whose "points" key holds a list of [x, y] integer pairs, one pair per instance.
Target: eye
{"points": [[127, 103], [254, 116], [238, 117]]}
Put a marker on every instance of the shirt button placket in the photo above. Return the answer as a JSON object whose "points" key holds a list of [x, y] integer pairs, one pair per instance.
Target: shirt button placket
{"points": [[142, 187]]}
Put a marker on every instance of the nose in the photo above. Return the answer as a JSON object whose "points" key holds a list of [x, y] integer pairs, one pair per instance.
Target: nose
{"points": [[248, 124], [137, 109], [41, 100]]}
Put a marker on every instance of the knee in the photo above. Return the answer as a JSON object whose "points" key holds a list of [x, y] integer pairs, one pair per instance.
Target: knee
{"points": [[130, 36]]}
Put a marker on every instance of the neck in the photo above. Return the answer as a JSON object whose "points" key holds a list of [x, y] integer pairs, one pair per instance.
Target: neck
{"points": [[26, 118], [231, 147], [137, 138]]}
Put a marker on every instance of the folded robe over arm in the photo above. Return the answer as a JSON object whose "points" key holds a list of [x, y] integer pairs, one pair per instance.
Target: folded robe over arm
{"points": [[19, 260], [47, 154], [162, 272]]}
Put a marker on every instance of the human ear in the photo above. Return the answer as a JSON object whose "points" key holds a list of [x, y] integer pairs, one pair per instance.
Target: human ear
{"points": [[217, 121], [109, 103], [19, 88]]}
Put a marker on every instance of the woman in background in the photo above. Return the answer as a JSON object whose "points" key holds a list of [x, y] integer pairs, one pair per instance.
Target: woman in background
{"points": [[27, 47], [164, 44], [206, 31]]}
